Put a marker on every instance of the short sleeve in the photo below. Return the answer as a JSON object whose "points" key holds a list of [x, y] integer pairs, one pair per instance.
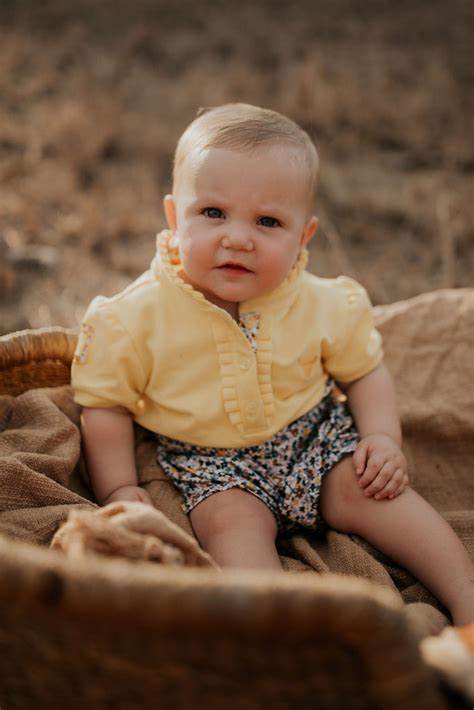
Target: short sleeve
{"points": [[106, 370], [356, 346]]}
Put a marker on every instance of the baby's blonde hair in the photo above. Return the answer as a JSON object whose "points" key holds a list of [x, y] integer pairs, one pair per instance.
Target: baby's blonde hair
{"points": [[244, 127]]}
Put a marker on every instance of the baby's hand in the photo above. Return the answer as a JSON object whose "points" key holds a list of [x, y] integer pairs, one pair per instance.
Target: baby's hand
{"points": [[386, 467], [133, 493]]}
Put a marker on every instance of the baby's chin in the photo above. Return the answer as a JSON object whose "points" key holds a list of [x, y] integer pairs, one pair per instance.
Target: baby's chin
{"points": [[237, 294], [244, 288]]}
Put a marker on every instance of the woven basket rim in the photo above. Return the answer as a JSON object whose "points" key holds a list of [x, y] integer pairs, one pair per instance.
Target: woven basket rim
{"points": [[42, 329], [22, 347], [176, 599]]}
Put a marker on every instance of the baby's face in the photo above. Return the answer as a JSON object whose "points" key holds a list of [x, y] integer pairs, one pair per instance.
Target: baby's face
{"points": [[238, 208]]}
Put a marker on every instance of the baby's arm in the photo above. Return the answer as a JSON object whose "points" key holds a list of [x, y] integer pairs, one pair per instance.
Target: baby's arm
{"points": [[378, 459], [108, 440], [372, 400]]}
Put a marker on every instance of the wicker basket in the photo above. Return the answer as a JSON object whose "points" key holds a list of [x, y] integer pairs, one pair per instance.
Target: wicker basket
{"points": [[124, 635]]}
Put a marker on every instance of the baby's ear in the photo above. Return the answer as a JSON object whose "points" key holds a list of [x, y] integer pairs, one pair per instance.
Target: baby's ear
{"points": [[309, 230], [170, 211]]}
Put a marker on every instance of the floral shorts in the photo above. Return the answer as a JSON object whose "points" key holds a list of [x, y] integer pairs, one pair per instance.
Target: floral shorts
{"points": [[284, 472]]}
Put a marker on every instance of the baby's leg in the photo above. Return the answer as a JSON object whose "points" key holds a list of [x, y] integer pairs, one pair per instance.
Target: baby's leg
{"points": [[408, 530], [237, 529]]}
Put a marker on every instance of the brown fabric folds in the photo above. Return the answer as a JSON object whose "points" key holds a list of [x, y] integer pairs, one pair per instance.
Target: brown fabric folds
{"points": [[127, 529], [428, 341]]}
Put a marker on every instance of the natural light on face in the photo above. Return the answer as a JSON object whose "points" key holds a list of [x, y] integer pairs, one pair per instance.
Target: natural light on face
{"points": [[246, 208]]}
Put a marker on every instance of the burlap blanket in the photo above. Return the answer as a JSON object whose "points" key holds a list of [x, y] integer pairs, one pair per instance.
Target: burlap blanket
{"points": [[428, 344]]}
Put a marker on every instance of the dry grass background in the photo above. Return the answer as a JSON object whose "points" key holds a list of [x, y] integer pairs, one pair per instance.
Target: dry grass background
{"points": [[94, 95]]}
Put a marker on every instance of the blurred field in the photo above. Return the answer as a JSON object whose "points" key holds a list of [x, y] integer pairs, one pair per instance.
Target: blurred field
{"points": [[94, 95]]}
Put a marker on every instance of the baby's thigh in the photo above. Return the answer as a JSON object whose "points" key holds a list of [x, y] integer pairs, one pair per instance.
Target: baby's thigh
{"points": [[231, 512]]}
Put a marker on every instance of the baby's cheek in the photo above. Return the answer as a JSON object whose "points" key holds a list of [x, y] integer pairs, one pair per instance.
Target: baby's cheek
{"points": [[192, 257], [277, 266]]}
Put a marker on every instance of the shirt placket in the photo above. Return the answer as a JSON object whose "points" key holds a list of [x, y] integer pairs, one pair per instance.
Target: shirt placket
{"points": [[245, 375]]}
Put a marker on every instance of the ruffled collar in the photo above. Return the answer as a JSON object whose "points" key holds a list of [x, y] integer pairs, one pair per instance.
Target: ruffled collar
{"points": [[167, 261]]}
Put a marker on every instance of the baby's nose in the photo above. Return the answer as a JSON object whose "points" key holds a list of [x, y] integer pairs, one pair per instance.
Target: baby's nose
{"points": [[237, 238]]}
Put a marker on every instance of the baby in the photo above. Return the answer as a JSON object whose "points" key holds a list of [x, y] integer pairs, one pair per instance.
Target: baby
{"points": [[264, 384]]}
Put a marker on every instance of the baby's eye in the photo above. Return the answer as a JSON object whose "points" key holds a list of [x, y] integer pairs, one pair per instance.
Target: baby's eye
{"points": [[272, 219], [211, 209]]}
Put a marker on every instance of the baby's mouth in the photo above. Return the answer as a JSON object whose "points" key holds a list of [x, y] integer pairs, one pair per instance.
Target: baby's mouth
{"points": [[234, 267]]}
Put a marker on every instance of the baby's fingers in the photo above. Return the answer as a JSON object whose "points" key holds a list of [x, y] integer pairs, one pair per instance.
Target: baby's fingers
{"points": [[401, 488], [359, 457], [372, 469], [392, 485]]}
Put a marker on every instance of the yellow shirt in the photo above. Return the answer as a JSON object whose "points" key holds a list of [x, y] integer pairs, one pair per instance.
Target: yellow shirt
{"points": [[185, 369]]}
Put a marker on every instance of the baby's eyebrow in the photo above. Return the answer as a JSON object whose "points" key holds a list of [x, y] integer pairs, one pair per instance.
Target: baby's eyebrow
{"points": [[208, 200]]}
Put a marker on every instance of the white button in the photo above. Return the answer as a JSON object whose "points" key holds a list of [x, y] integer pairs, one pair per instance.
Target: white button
{"points": [[244, 364]]}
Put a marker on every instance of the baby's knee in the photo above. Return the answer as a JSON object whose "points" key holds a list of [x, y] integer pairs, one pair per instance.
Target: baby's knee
{"points": [[340, 494], [230, 512]]}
